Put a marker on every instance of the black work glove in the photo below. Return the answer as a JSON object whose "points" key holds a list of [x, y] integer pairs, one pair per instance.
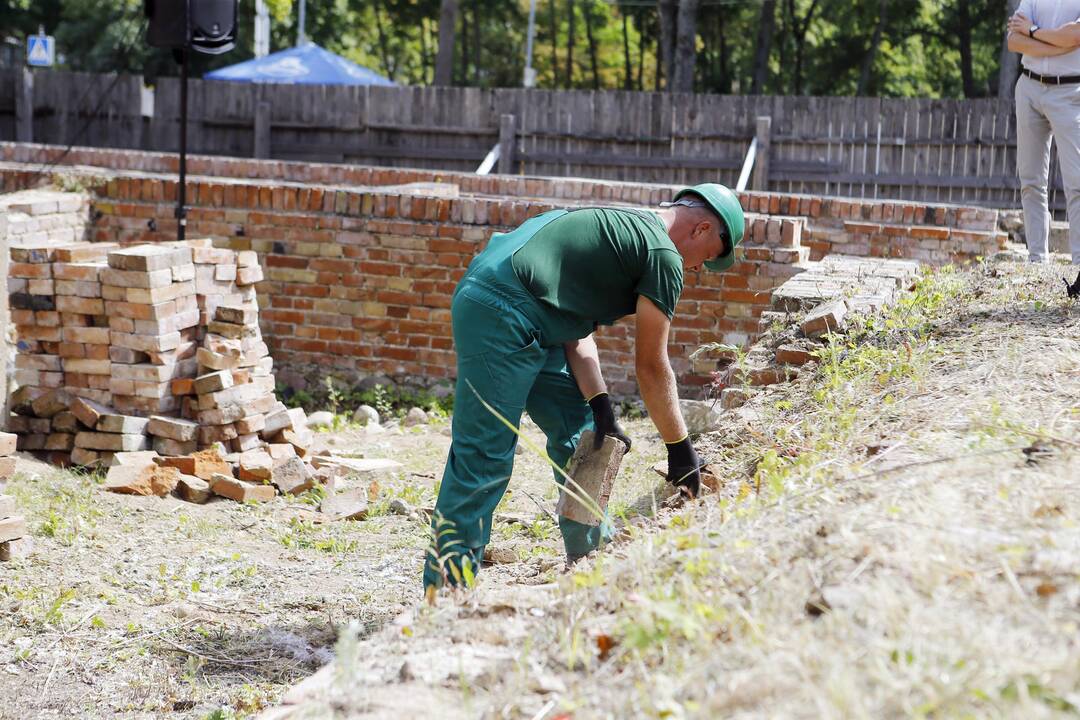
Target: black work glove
{"points": [[606, 424], [684, 467]]}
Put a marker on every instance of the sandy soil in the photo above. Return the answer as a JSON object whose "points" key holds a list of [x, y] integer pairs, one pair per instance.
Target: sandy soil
{"points": [[146, 607]]}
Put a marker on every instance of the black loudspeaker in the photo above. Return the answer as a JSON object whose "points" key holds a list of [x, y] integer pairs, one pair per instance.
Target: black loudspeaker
{"points": [[207, 26], [213, 25]]}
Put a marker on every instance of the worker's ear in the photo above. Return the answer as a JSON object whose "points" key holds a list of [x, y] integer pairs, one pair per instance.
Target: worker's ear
{"points": [[702, 229]]}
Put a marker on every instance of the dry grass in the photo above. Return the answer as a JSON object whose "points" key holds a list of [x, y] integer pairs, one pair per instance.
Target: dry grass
{"points": [[936, 577], [885, 547], [148, 607]]}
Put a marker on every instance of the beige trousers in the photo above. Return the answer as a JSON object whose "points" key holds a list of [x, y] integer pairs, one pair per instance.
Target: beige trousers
{"points": [[1042, 112]]}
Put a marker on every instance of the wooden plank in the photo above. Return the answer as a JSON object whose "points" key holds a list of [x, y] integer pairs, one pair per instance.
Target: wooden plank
{"points": [[616, 161], [857, 178], [760, 181], [24, 107], [261, 123], [382, 151]]}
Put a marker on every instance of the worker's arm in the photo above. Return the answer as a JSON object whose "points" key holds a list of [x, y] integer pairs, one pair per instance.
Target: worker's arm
{"points": [[1058, 40], [655, 376], [584, 361], [657, 383]]}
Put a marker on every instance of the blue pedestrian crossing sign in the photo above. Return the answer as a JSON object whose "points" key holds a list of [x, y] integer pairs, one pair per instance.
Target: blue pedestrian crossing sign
{"points": [[40, 50]]}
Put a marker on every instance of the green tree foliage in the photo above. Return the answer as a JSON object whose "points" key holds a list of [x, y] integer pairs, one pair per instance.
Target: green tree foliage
{"points": [[933, 48]]}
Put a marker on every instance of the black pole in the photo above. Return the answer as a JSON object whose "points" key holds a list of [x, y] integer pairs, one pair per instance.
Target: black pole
{"points": [[181, 211]]}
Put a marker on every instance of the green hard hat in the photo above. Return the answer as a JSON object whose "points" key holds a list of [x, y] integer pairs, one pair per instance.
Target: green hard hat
{"points": [[727, 207]]}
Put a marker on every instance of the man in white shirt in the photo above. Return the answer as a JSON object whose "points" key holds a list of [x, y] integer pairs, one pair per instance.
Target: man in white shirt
{"points": [[1047, 32]]}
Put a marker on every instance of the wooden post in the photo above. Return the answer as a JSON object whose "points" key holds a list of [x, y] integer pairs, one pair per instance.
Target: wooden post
{"points": [[262, 130], [24, 106], [506, 144], [760, 178]]}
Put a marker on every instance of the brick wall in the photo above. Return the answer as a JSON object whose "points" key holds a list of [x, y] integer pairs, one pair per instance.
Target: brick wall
{"points": [[360, 267], [932, 233], [361, 282]]}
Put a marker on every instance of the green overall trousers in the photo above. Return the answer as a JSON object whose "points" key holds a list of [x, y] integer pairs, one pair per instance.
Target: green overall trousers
{"points": [[505, 356]]}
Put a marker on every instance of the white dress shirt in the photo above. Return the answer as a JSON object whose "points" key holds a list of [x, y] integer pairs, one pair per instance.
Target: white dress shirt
{"points": [[1052, 14]]}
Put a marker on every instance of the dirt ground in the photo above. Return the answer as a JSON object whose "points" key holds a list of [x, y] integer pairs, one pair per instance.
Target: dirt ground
{"points": [[896, 537], [146, 607]]}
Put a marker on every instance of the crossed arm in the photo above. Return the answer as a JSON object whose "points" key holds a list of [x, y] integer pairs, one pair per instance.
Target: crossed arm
{"points": [[1048, 41]]}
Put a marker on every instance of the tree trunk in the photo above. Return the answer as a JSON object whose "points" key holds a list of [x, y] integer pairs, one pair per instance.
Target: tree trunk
{"points": [[628, 69], [871, 53], [800, 29], [588, 10], [725, 76], [685, 47], [1010, 61], [427, 64], [570, 12], [554, 44], [444, 61], [384, 49], [666, 56], [640, 52], [764, 46], [477, 46], [963, 34], [783, 83], [717, 51], [463, 66]]}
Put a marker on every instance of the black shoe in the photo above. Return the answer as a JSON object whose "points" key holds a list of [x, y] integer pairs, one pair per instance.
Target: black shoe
{"points": [[1074, 289]]}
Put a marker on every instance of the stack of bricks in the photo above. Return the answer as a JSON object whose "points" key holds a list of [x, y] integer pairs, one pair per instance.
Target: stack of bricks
{"points": [[149, 294], [104, 433], [32, 299], [223, 277], [62, 341], [235, 388], [12, 526], [159, 345], [169, 331], [84, 341], [45, 217]]}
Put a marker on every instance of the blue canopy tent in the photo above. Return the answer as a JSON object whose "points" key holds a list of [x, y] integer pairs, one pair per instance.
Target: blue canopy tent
{"points": [[307, 64]]}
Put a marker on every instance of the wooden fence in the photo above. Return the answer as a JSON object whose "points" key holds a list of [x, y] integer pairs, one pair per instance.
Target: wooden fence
{"points": [[931, 150]]}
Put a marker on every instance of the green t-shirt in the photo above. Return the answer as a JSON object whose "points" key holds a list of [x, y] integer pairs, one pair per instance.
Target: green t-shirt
{"points": [[591, 264]]}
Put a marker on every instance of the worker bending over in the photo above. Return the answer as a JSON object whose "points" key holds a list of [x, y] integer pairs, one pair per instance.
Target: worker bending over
{"points": [[523, 322]]}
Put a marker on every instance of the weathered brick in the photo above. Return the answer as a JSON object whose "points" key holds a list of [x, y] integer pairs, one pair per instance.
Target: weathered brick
{"points": [[111, 441], [240, 491]]}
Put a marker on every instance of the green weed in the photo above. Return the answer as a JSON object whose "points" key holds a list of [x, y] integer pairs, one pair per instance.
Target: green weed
{"points": [[304, 535]]}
